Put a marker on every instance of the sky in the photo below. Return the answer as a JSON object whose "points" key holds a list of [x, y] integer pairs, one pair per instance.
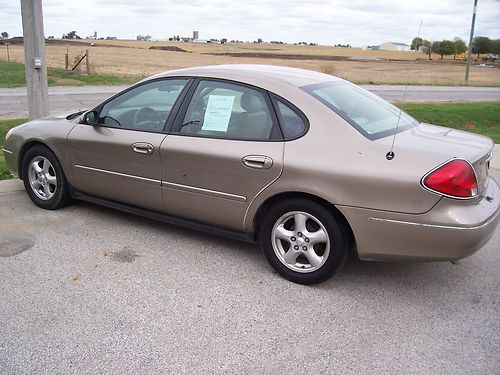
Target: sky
{"points": [[327, 22]]}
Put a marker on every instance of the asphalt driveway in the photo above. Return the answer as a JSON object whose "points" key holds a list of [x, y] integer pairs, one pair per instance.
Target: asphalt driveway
{"points": [[90, 290]]}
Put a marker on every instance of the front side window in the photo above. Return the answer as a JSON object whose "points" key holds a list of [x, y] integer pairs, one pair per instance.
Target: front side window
{"points": [[145, 107], [372, 116], [231, 111]]}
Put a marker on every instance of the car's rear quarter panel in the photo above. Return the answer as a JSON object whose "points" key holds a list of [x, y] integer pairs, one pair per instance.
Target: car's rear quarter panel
{"points": [[453, 229], [336, 163]]}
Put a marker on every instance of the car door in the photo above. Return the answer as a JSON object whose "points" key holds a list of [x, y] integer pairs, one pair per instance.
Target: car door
{"points": [[225, 148], [119, 157]]}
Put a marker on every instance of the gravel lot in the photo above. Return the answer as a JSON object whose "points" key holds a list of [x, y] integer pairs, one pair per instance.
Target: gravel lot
{"points": [[90, 290]]}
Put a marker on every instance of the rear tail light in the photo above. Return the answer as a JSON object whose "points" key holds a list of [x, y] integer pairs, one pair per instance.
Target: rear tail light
{"points": [[455, 178]]}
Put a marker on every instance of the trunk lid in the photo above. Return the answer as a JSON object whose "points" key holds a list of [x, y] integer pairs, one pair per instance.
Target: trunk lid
{"points": [[441, 144]]}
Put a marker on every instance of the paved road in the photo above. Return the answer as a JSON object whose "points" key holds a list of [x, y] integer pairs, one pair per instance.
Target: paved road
{"points": [[13, 102], [93, 290]]}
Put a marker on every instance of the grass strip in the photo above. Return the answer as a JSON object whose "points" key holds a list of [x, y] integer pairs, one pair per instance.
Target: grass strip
{"points": [[478, 118], [5, 125], [13, 75]]}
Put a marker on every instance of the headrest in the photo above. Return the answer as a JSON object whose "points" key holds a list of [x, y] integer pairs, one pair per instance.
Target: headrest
{"points": [[251, 102]]}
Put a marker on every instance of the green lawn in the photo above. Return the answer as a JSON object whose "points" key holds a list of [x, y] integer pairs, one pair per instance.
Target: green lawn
{"points": [[13, 75], [395, 83], [478, 118], [5, 125]]}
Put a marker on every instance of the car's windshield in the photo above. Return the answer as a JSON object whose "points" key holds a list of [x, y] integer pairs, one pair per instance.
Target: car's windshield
{"points": [[370, 115]]}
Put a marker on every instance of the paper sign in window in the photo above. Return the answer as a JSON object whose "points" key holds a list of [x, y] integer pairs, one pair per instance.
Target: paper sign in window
{"points": [[218, 113]]}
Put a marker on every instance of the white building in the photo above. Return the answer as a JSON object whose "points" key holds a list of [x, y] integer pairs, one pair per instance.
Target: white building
{"points": [[394, 46]]}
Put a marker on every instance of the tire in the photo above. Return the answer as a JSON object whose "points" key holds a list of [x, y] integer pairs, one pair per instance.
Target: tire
{"points": [[303, 241], [44, 178]]}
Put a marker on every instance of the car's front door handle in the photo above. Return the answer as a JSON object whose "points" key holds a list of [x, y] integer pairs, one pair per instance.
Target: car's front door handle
{"points": [[257, 161], [143, 148]]}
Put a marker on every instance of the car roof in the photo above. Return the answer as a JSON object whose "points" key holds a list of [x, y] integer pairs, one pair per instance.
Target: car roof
{"points": [[259, 75]]}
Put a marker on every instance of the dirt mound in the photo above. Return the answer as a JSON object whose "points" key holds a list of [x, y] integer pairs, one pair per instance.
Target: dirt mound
{"points": [[169, 48], [280, 56]]}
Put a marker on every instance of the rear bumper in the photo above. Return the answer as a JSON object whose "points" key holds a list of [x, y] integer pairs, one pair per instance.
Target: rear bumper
{"points": [[449, 231]]}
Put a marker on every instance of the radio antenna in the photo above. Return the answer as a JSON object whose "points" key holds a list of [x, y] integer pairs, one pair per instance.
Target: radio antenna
{"points": [[390, 155]]}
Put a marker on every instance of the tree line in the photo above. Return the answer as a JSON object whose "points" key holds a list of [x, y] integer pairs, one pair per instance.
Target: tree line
{"points": [[480, 45]]}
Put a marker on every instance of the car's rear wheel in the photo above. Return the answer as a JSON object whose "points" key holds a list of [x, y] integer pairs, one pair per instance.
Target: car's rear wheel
{"points": [[44, 178], [303, 241]]}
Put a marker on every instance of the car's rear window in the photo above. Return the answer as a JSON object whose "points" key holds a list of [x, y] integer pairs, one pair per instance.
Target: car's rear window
{"points": [[370, 115]]}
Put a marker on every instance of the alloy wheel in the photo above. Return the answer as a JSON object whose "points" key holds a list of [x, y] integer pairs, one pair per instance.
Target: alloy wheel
{"points": [[300, 241], [42, 178]]}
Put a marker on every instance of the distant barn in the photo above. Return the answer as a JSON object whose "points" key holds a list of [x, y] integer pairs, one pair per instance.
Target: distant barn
{"points": [[394, 46]]}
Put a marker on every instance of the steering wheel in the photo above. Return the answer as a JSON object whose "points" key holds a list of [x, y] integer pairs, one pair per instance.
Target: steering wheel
{"points": [[146, 114]]}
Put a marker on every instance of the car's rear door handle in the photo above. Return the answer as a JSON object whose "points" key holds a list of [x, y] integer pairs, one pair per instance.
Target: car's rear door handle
{"points": [[143, 148], [257, 161]]}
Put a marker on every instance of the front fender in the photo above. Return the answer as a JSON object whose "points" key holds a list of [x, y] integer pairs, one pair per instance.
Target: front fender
{"points": [[50, 131]]}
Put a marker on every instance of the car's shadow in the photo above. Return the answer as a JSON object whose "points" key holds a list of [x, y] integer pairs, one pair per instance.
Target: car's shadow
{"points": [[387, 275], [150, 224]]}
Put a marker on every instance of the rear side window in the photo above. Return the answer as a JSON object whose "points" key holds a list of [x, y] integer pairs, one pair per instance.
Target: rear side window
{"points": [[293, 123]]}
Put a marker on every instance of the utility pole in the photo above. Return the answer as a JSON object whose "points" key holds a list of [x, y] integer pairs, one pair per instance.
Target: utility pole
{"points": [[34, 58], [467, 68]]}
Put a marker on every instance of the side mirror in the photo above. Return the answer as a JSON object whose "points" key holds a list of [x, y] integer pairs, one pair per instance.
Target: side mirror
{"points": [[91, 118]]}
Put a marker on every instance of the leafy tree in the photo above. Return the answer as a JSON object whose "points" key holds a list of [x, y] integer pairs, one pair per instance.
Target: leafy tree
{"points": [[436, 47], [444, 47], [71, 35], [448, 48], [5, 34], [416, 42], [496, 46], [481, 44], [427, 48], [460, 46]]}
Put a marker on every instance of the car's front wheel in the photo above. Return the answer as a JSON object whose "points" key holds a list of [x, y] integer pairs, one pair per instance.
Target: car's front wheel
{"points": [[303, 241], [44, 178]]}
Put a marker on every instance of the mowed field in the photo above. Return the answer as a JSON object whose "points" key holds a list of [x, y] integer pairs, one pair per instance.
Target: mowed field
{"points": [[134, 58]]}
